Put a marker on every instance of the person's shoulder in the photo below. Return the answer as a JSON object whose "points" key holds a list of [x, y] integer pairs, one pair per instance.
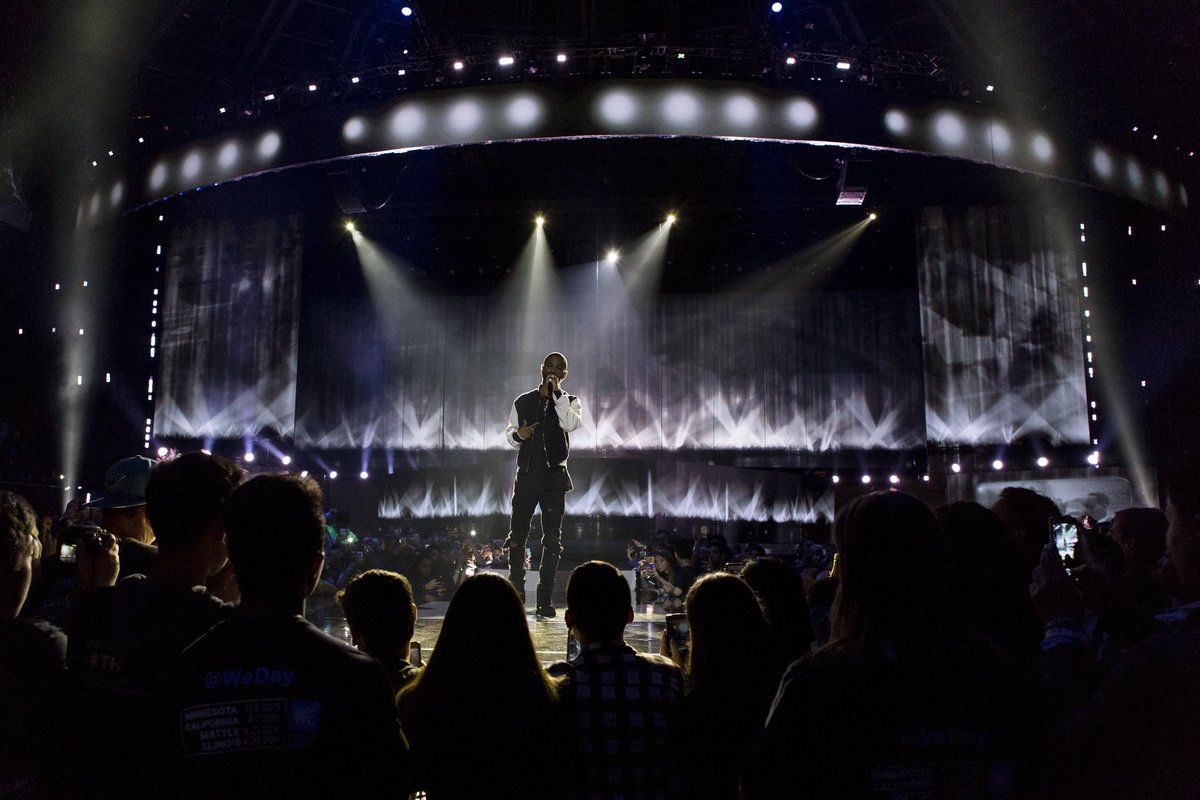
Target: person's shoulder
{"points": [[39, 642]]}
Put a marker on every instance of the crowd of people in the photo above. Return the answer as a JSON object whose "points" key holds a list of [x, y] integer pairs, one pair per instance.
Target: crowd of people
{"points": [[956, 652]]}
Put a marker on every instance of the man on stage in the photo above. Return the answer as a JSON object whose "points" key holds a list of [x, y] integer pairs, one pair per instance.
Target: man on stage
{"points": [[539, 425]]}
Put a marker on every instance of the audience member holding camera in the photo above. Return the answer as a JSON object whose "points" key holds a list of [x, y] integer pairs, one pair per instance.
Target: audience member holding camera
{"points": [[731, 669], [124, 639]]}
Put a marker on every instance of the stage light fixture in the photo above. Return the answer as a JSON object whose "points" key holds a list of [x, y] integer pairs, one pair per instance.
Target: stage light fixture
{"points": [[221, 110], [866, 479], [872, 216], [401, 72], [540, 220], [561, 58], [248, 457], [893, 479], [162, 452], [1043, 461], [303, 473], [269, 97], [835, 479], [1094, 458], [956, 467], [141, 140], [312, 87], [406, 11], [355, 79], [506, 61], [777, 7], [286, 460], [333, 474], [350, 226], [997, 464], [852, 182], [363, 475], [458, 65], [790, 61], [843, 65], [671, 219], [612, 256], [991, 88]]}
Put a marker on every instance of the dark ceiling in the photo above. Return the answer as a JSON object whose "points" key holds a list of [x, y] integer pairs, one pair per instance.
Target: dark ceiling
{"points": [[1119, 61]]}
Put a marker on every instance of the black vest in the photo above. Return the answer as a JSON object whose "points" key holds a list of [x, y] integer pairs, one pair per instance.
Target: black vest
{"points": [[531, 408]]}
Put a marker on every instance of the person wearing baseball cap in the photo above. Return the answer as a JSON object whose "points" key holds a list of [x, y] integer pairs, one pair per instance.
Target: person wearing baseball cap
{"points": [[123, 507]]}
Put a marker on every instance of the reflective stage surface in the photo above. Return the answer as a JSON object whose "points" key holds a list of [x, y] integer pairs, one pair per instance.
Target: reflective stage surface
{"points": [[549, 635]]}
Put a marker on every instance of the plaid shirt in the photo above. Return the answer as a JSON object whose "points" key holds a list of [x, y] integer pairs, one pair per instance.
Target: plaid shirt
{"points": [[624, 705]]}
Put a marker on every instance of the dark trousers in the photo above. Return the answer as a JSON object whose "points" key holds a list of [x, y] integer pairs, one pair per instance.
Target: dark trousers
{"points": [[528, 495]]}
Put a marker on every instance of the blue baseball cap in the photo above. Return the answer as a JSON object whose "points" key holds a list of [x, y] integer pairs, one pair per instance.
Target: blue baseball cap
{"points": [[125, 484]]}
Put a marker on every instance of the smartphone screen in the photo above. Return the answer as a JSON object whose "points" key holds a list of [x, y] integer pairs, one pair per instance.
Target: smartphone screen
{"points": [[1065, 535], [677, 630], [66, 553], [573, 646], [414, 654]]}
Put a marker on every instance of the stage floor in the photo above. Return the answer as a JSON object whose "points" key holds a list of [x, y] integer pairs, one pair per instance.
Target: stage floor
{"points": [[549, 635]]}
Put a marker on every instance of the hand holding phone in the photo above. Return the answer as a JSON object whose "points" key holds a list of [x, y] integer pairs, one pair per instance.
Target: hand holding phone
{"points": [[678, 633], [414, 654], [1064, 535]]}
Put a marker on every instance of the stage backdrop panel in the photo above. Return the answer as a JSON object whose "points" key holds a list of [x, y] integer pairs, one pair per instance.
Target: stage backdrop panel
{"points": [[1002, 325], [813, 371], [227, 342]]}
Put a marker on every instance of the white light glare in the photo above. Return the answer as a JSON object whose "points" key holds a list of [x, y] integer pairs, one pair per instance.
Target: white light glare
{"points": [[221, 110], [893, 479], [458, 65], [506, 61], [843, 65], [1094, 458], [303, 473], [836, 479], [355, 79], [333, 474], [402, 72], [312, 87], [162, 452], [991, 88], [269, 97], [561, 58], [777, 7], [612, 256], [286, 460], [540, 220], [997, 464], [406, 11], [671, 219], [363, 475], [248, 457], [351, 227], [790, 60], [956, 467], [866, 479], [1043, 461]]}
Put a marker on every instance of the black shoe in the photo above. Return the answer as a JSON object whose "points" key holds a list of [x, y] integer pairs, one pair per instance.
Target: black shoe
{"points": [[547, 612]]}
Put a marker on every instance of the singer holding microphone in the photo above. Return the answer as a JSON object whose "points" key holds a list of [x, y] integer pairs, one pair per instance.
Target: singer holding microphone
{"points": [[539, 425]]}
